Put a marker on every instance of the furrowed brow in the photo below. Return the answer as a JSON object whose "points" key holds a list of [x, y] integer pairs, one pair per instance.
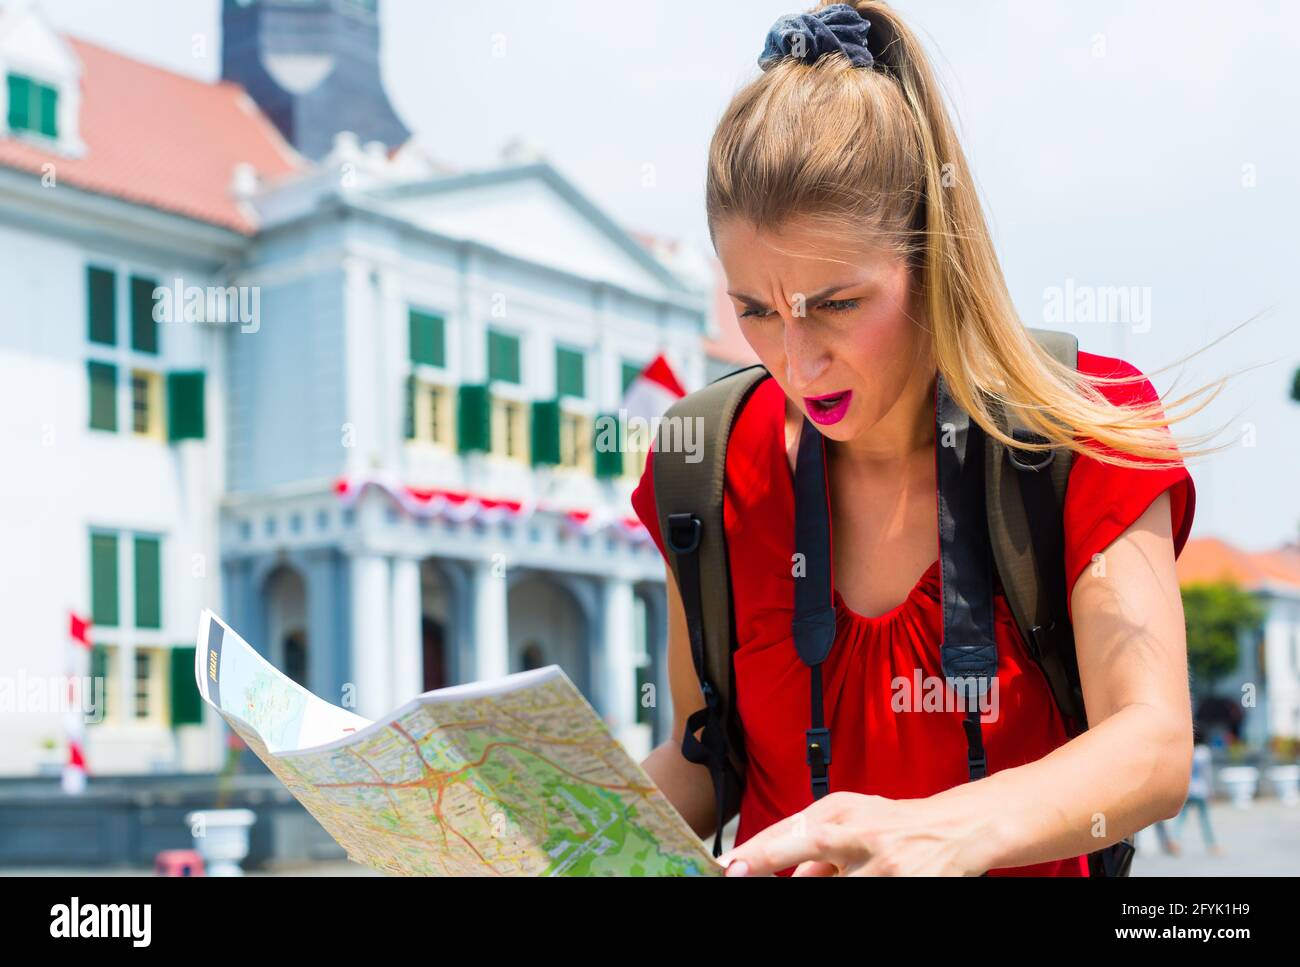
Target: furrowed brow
{"points": [[815, 297]]}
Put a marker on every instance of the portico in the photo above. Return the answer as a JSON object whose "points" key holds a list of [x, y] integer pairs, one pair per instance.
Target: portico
{"points": [[374, 605]]}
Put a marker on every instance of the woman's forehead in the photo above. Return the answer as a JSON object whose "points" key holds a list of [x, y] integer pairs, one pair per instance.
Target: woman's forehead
{"points": [[753, 259], [796, 242]]}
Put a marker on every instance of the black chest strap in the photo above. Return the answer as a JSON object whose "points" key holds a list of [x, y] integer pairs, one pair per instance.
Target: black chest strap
{"points": [[814, 609], [968, 653]]}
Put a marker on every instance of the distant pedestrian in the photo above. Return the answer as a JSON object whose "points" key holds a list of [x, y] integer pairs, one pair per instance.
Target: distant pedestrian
{"points": [[1198, 795], [1166, 843]]}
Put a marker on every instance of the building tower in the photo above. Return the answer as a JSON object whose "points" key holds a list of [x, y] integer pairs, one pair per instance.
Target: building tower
{"points": [[313, 67]]}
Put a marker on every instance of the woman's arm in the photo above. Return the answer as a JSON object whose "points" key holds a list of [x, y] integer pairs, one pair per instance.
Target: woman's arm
{"points": [[687, 785], [1133, 764], [1128, 770]]}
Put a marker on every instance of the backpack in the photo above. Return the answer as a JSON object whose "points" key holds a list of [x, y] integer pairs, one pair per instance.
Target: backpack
{"points": [[1018, 532]]}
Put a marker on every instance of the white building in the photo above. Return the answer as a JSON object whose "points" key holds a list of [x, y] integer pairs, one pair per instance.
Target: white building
{"points": [[1265, 685], [380, 467]]}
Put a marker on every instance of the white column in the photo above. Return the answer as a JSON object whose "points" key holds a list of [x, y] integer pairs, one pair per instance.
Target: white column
{"points": [[391, 366], [608, 389], [472, 329], [491, 641], [408, 642], [619, 665], [370, 639], [362, 391]]}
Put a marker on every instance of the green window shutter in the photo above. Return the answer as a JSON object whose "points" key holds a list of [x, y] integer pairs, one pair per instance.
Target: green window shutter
{"points": [[503, 357], [103, 395], [608, 459], [103, 579], [644, 713], [546, 432], [570, 375], [20, 97], [144, 331], [99, 671], [101, 305], [186, 705], [474, 419], [428, 338], [49, 109], [412, 387], [185, 412], [148, 583], [630, 372]]}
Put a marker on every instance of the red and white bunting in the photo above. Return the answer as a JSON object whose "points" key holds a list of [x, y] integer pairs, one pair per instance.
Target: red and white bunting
{"points": [[462, 507], [455, 505]]}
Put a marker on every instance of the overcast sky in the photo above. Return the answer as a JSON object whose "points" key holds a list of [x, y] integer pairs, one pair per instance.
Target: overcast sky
{"points": [[1149, 144]]}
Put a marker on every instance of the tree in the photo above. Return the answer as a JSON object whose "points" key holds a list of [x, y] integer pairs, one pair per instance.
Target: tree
{"points": [[1295, 386], [1218, 615]]}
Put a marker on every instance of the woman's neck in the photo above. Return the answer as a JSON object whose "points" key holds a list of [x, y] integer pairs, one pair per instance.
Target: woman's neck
{"points": [[907, 428]]}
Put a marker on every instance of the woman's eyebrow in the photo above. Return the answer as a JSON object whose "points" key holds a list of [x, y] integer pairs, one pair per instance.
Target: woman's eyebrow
{"points": [[815, 297]]}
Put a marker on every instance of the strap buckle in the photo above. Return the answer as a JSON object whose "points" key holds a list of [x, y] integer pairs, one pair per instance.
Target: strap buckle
{"points": [[977, 763], [818, 753], [683, 532], [1025, 460], [818, 757]]}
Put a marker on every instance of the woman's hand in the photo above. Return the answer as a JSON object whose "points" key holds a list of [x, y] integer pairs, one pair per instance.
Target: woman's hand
{"points": [[850, 834]]}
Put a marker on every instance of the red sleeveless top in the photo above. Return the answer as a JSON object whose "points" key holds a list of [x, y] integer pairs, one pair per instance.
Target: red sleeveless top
{"points": [[879, 751]]}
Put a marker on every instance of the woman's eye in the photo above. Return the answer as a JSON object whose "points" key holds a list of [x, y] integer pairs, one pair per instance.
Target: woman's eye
{"points": [[831, 305]]}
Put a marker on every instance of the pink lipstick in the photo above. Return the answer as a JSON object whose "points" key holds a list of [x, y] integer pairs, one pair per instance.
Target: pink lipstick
{"points": [[829, 408]]}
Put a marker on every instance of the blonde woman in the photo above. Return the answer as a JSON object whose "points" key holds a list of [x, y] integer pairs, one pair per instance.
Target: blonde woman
{"points": [[843, 212]]}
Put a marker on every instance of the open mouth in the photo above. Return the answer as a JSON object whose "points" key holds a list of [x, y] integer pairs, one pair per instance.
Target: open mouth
{"points": [[827, 403], [828, 409]]}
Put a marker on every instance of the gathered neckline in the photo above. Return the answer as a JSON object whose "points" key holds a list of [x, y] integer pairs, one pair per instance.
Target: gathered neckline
{"points": [[919, 589]]}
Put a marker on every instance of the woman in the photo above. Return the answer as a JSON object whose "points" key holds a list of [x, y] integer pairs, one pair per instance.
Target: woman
{"points": [[855, 251]]}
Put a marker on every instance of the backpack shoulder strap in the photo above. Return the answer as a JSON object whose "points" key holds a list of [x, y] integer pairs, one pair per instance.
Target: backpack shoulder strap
{"points": [[689, 468], [1025, 502], [1025, 499]]}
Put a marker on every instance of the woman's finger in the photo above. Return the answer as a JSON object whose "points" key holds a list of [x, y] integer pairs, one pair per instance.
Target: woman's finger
{"points": [[816, 868], [793, 841]]}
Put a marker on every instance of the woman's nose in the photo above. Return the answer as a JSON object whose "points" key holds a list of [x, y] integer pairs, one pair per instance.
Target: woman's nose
{"points": [[806, 358]]}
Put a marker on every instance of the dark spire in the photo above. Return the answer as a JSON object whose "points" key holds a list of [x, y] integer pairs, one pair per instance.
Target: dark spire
{"points": [[313, 67]]}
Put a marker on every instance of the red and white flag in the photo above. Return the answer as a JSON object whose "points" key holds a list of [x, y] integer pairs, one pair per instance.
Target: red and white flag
{"points": [[653, 391], [79, 629], [74, 712]]}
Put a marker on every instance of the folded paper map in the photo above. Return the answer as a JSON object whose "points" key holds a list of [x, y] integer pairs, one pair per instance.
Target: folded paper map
{"points": [[513, 777]]}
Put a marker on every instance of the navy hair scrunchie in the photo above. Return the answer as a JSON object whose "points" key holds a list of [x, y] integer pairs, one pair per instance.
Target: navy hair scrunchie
{"points": [[809, 36]]}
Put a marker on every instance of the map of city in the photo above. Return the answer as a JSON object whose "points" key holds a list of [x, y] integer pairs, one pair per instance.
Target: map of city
{"points": [[273, 709], [516, 777]]}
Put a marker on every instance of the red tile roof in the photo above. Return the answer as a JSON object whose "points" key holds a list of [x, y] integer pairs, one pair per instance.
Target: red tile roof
{"points": [[1210, 559], [161, 139]]}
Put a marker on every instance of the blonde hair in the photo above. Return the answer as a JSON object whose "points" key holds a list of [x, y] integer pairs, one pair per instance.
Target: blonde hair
{"points": [[870, 153]]}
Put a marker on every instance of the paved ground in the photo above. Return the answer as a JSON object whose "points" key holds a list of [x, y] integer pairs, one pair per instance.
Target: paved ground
{"points": [[1263, 840]]}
